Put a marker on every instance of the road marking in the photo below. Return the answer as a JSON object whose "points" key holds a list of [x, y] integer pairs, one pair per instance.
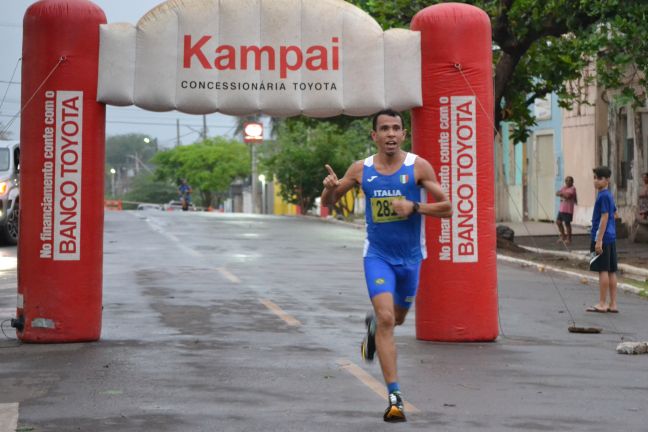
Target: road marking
{"points": [[8, 417], [228, 275], [291, 321], [6, 313], [370, 381], [8, 263], [159, 228]]}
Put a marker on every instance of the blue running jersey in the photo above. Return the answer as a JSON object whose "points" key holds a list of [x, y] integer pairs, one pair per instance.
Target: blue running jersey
{"points": [[397, 240]]}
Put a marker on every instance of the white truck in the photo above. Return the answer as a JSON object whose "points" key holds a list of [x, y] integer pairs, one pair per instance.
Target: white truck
{"points": [[9, 191]]}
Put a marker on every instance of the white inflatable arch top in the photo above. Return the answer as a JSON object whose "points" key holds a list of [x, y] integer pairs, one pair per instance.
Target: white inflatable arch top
{"points": [[320, 58]]}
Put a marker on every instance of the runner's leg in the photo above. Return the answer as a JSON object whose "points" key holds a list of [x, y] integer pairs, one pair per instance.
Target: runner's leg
{"points": [[386, 348]]}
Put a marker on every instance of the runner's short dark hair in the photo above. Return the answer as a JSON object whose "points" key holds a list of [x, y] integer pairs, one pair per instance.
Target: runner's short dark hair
{"points": [[388, 112], [602, 172]]}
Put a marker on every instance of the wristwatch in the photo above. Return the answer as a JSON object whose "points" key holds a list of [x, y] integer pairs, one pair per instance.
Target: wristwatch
{"points": [[415, 209]]}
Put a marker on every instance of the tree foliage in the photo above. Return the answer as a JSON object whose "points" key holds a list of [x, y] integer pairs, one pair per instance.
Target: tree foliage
{"points": [[124, 150], [209, 166], [303, 146], [147, 189], [543, 46]]}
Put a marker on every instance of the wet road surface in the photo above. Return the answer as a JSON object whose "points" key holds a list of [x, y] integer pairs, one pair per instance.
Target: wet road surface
{"points": [[218, 322]]}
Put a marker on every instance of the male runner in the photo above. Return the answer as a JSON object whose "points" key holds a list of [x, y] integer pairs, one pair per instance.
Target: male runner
{"points": [[395, 184]]}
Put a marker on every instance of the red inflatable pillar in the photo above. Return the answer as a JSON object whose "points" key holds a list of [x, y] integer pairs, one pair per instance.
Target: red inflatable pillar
{"points": [[62, 138], [453, 130]]}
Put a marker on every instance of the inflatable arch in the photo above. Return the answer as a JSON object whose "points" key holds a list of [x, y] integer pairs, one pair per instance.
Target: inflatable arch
{"points": [[320, 58]]}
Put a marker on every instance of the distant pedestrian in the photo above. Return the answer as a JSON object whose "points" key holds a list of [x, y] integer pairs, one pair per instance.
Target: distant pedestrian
{"points": [[643, 198], [184, 192], [568, 199], [603, 243]]}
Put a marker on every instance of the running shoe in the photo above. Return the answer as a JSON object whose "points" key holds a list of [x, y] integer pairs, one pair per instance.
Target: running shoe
{"points": [[395, 412], [368, 347]]}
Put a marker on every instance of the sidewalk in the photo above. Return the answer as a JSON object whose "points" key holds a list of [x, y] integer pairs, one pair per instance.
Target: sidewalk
{"points": [[541, 238]]}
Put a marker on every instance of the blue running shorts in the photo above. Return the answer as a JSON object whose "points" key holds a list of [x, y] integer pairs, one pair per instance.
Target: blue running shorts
{"points": [[399, 280]]}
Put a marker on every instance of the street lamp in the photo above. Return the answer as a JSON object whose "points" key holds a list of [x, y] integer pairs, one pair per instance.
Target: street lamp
{"points": [[253, 134], [262, 179], [112, 181]]}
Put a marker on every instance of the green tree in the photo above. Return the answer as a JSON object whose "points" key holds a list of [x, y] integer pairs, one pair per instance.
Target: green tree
{"points": [[145, 188], [126, 150], [543, 46], [546, 46], [209, 166], [296, 159]]}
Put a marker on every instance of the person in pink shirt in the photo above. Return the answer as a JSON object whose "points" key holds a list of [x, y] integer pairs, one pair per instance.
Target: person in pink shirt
{"points": [[568, 198]]}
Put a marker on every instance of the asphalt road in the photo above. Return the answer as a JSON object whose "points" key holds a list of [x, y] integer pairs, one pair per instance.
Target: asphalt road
{"points": [[247, 323]]}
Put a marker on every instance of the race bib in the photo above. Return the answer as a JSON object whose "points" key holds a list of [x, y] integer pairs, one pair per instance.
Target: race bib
{"points": [[382, 210]]}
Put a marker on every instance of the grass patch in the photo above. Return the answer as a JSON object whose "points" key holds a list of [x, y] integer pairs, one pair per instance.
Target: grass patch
{"points": [[643, 286]]}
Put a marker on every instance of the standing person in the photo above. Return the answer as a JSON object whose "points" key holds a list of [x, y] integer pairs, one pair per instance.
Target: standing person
{"points": [[568, 198], [604, 242], [643, 198], [185, 194], [394, 184]]}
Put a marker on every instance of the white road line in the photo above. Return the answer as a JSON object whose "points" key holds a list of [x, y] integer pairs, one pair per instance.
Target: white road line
{"points": [[8, 417], [157, 227], [289, 319], [228, 275], [6, 313], [371, 382]]}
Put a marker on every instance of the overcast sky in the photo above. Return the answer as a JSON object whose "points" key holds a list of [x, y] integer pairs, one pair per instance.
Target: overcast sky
{"points": [[119, 120]]}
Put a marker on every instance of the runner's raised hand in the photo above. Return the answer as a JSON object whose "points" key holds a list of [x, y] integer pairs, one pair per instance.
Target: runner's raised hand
{"points": [[331, 181]]}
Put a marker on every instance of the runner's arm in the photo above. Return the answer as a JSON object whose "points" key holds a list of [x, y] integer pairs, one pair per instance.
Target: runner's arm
{"points": [[598, 246], [426, 177], [334, 189]]}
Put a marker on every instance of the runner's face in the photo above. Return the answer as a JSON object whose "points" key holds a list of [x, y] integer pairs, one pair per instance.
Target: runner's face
{"points": [[389, 134]]}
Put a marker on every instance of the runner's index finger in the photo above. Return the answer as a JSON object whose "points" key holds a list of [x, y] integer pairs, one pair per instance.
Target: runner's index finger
{"points": [[330, 170]]}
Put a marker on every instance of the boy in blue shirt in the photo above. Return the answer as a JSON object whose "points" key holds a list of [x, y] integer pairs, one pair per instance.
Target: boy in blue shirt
{"points": [[604, 242]]}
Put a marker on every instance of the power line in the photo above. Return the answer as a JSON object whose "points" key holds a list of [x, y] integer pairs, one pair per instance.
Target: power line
{"points": [[166, 124], [153, 123], [10, 79]]}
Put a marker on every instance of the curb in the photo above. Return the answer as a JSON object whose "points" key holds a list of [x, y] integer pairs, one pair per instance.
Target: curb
{"points": [[624, 267], [333, 220], [542, 267]]}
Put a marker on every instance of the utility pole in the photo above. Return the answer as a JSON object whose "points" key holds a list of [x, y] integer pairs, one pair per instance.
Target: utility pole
{"points": [[253, 134], [177, 132], [255, 186]]}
